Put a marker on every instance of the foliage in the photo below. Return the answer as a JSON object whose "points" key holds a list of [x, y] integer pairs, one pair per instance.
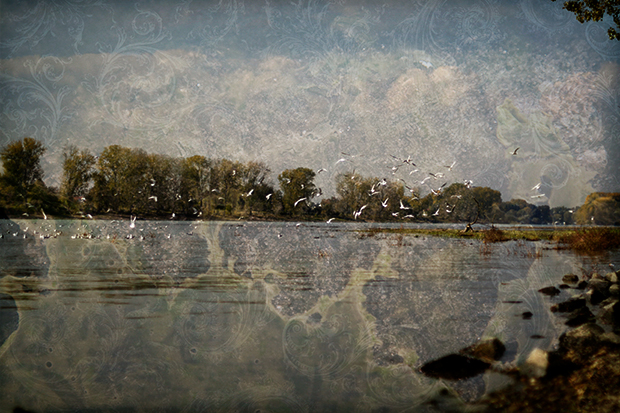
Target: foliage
{"points": [[77, 174], [21, 184], [298, 189], [21, 162], [602, 208], [595, 10], [591, 240]]}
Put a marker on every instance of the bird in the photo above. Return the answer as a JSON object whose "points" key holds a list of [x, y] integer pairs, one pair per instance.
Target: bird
{"points": [[402, 206], [359, 212], [133, 222], [321, 170], [299, 200], [423, 181], [329, 221], [536, 187], [437, 212], [515, 151], [384, 203], [451, 166], [153, 197], [43, 212], [268, 196]]}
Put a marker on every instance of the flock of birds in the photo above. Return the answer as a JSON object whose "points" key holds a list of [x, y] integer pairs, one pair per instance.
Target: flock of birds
{"points": [[397, 164]]}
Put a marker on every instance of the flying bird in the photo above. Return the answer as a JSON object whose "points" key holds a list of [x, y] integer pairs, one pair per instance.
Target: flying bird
{"points": [[299, 200], [515, 151]]}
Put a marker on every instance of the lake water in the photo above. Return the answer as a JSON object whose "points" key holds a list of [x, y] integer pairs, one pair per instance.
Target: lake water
{"points": [[248, 317]]}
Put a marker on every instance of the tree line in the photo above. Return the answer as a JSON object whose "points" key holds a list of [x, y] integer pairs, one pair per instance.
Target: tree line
{"points": [[129, 181]]}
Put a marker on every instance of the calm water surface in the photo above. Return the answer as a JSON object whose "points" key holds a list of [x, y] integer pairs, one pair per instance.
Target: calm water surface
{"points": [[214, 316]]}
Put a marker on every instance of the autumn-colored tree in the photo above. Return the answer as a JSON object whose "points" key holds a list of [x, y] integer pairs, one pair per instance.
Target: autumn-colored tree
{"points": [[595, 10], [22, 164], [602, 208], [77, 173], [298, 189]]}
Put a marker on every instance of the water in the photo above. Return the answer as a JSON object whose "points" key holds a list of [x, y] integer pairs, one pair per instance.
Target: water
{"points": [[213, 316]]}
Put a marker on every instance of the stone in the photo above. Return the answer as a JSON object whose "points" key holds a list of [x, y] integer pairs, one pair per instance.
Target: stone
{"points": [[612, 277], [582, 285], [570, 279], [580, 316], [614, 289], [597, 291], [487, 350], [527, 315], [587, 335], [550, 291], [454, 367], [569, 305], [610, 314], [596, 276], [536, 363]]}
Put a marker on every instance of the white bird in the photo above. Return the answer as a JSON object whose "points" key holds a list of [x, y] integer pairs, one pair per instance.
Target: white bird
{"points": [[321, 170], [394, 214], [536, 187], [250, 192], [299, 200], [153, 197], [515, 151], [268, 196], [537, 196], [414, 171], [133, 221], [423, 181], [43, 212], [384, 203], [403, 206], [359, 212], [451, 166], [437, 212], [329, 221]]}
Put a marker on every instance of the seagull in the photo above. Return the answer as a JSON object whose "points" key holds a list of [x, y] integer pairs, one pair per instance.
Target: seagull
{"points": [[299, 200], [329, 221], [536, 187], [384, 203], [451, 166], [268, 196], [402, 206], [537, 196], [249, 193], [43, 212], [423, 181], [321, 170], [153, 197], [515, 151], [437, 212], [394, 214], [358, 213], [133, 221]]}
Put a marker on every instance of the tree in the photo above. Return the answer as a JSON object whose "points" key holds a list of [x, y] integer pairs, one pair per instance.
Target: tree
{"points": [[21, 162], [77, 172], [595, 10], [297, 187]]}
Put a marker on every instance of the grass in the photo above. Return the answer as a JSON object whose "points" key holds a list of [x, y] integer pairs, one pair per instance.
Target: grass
{"points": [[583, 240]]}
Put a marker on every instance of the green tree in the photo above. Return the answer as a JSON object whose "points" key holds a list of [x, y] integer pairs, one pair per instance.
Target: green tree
{"points": [[298, 189], [22, 164], [109, 190], [595, 10], [77, 173]]}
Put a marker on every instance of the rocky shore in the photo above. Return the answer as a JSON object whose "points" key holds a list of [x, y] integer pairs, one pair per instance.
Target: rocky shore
{"points": [[581, 375]]}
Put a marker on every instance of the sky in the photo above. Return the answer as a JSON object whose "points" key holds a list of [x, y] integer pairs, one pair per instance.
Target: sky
{"points": [[457, 86]]}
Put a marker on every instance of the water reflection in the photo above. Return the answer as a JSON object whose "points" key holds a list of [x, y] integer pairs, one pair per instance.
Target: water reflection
{"points": [[215, 316]]}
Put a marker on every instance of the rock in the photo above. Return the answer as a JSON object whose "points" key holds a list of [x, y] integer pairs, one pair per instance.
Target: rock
{"points": [[570, 279], [486, 350], [550, 291], [614, 289], [611, 338], [610, 314], [579, 317], [585, 336], [612, 277], [596, 276], [597, 291], [536, 363], [569, 305], [582, 285], [454, 367], [527, 315], [563, 286]]}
